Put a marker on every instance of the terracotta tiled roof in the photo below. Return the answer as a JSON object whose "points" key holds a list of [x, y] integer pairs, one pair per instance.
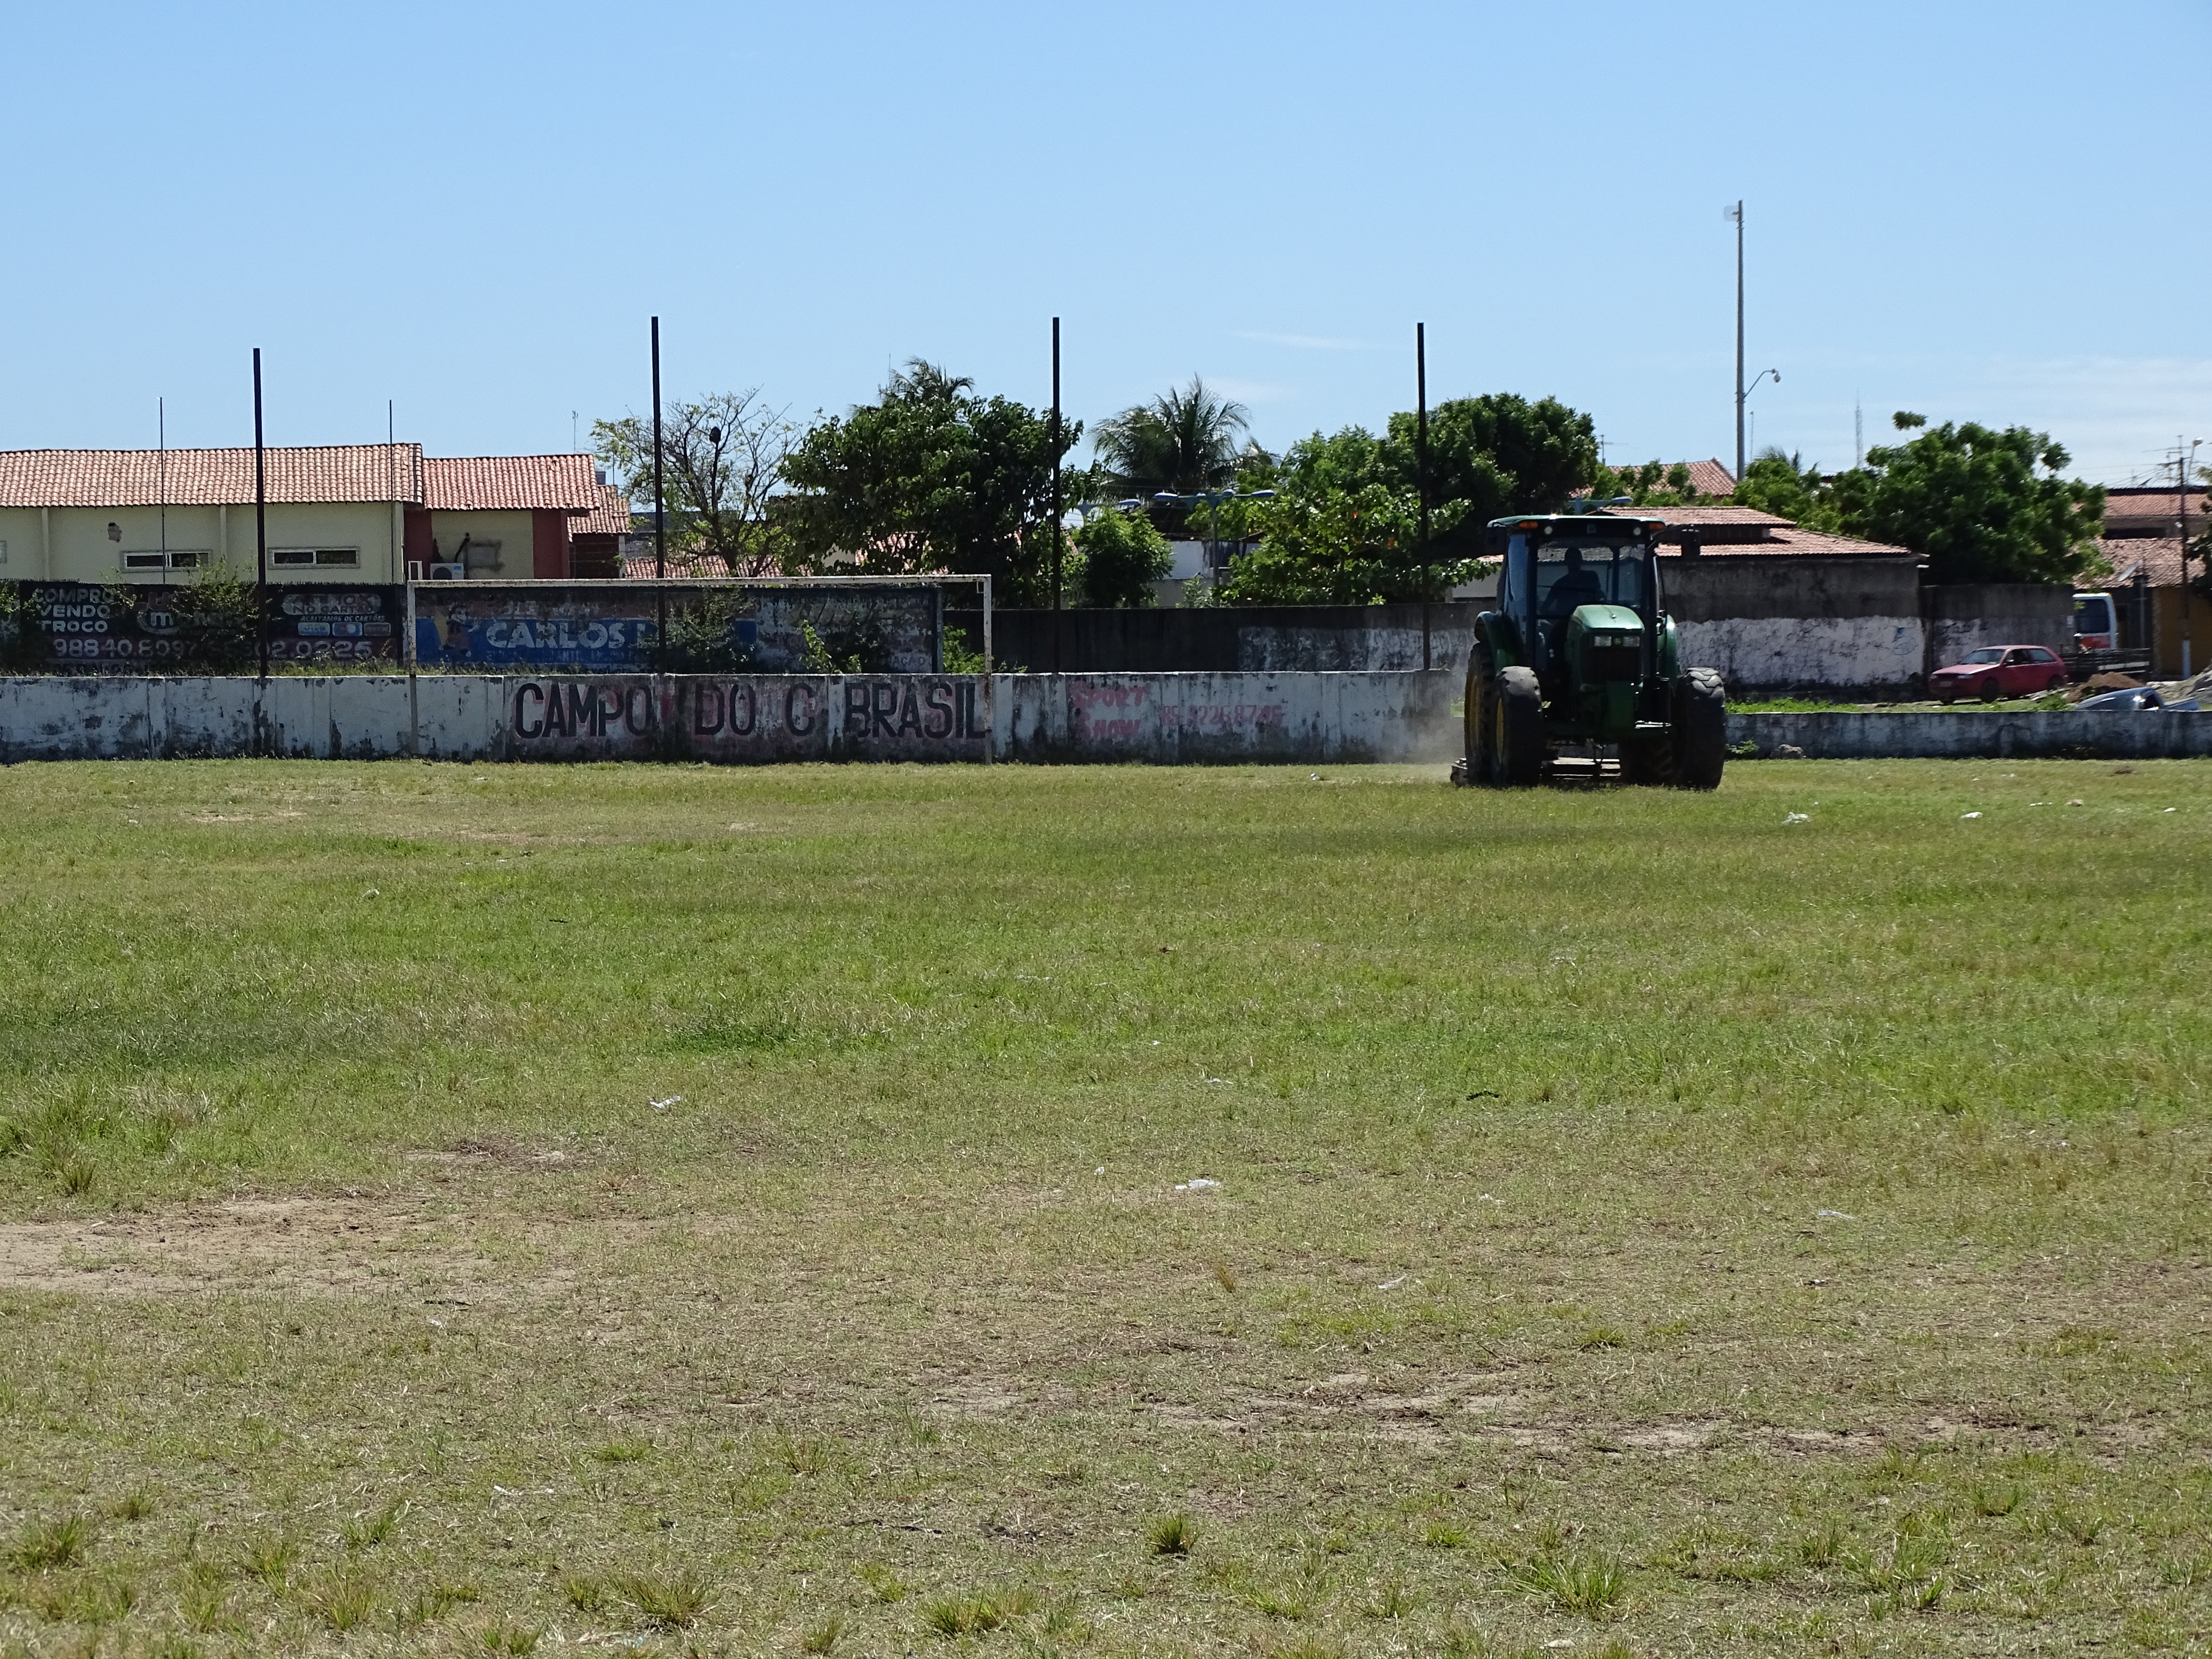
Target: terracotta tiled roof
{"points": [[2158, 557], [2150, 511], [638, 564], [609, 517], [209, 478], [1735, 532], [509, 483]]}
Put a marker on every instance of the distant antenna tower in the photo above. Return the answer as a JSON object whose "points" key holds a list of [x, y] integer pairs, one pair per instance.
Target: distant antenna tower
{"points": [[1858, 432]]}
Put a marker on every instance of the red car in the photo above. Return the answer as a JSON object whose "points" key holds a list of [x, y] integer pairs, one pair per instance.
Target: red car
{"points": [[1999, 670]]}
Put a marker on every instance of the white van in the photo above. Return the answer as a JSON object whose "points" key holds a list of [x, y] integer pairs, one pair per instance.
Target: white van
{"points": [[2096, 622]]}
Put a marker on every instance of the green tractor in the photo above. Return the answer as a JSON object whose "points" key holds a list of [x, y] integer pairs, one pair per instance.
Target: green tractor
{"points": [[1577, 673]]}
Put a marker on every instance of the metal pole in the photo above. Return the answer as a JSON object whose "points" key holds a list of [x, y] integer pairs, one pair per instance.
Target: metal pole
{"points": [[1739, 340], [660, 512], [1421, 468], [1056, 509], [161, 480], [2181, 460], [260, 533]]}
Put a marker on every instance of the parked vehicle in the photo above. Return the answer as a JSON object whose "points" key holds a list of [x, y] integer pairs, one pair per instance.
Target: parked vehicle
{"points": [[2096, 622], [2140, 699], [1999, 670]]}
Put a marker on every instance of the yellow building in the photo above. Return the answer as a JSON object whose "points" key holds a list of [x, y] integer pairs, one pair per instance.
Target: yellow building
{"points": [[339, 513]]}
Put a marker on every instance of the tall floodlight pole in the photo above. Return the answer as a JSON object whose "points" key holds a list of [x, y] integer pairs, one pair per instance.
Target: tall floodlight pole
{"points": [[1421, 468], [1056, 508], [1736, 214], [659, 515], [260, 530]]}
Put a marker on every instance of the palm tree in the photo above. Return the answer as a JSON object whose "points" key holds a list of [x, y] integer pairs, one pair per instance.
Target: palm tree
{"points": [[924, 382], [1185, 440]]}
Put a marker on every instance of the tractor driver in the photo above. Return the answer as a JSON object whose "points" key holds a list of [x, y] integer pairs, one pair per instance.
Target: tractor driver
{"points": [[1577, 585]]}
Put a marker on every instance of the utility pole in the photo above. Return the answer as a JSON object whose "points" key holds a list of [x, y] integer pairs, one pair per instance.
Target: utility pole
{"points": [[1736, 214], [1421, 468], [659, 515], [2182, 457], [260, 533], [1858, 434], [1056, 508]]}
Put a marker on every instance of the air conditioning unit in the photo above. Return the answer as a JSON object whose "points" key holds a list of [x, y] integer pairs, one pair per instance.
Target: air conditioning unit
{"points": [[449, 572]]}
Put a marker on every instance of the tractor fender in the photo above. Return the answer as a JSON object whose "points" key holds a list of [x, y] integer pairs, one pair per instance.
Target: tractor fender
{"points": [[1494, 632], [1670, 651]]}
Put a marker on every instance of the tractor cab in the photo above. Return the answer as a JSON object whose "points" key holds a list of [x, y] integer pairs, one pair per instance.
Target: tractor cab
{"points": [[1580, 592]]}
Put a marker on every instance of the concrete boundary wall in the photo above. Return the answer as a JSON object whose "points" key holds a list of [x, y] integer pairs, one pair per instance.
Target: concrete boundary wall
{"points": [[1978, 734], [1159, 718], [1166, 719]]}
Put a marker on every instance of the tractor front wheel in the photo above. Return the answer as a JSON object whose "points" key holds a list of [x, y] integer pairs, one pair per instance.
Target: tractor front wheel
{"points": [[1648, 758], [1516, 728], [1700, 730]]}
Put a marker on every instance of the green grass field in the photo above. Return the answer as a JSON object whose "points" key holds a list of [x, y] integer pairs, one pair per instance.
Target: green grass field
{"points": [[468, 1210]]}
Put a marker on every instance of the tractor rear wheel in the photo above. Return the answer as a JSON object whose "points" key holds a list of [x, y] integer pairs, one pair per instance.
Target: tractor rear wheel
{"points": [[1478, 766], [1517, 728], [1700, 730]]}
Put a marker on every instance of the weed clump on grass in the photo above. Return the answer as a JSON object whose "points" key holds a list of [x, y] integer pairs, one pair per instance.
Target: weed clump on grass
{"points": [[131, 1506], [1593, 1586], [60, 1542], [672, 1600], [1173, 1535], [364, 1531], [343, 1601], [624, 1448], [506, 1638], [584, 1595], [822, 1638], [883, 1581]]}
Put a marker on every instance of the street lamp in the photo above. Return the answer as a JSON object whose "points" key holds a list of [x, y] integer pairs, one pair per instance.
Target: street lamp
{"points": [[1742, 398]]}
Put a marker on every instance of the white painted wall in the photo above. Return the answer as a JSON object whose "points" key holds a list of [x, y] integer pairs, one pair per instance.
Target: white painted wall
{"points": [[1837, 652]]}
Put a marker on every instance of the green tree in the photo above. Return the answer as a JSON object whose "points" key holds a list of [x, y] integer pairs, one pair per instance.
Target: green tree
{"points": [[1345, 528], [721, 461], [1781, 484], [1500, 454], [1332, 545], [932, 476], [1981, 505], [1185, 440], [1121, 555]]}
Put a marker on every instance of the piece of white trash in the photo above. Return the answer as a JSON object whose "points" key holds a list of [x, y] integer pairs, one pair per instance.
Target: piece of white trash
{"points": [[663, 1105], [1969, 815], [1391, 1283], [1832, 1215], [1197, 1184], [1100, 1171], [1799, 818]]}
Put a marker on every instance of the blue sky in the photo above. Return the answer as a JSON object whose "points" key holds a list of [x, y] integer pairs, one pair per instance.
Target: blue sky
{"points": [[1980, 212]]}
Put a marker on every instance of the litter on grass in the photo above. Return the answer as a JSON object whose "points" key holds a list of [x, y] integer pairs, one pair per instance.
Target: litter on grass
{"points": [[1197, 1184], [663, 1105], [1832, 1215], [1969, 815], [1799, 818], [1391, 1283]]}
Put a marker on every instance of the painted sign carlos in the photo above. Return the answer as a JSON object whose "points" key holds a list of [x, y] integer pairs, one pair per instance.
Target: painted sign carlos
{"points": [[711, 627]]}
